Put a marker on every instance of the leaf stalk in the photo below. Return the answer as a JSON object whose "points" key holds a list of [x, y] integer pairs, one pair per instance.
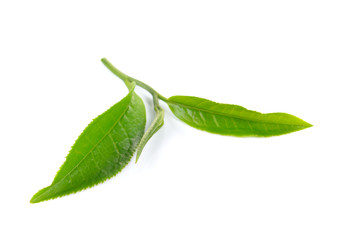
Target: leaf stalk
{"points": [[125, 78]]}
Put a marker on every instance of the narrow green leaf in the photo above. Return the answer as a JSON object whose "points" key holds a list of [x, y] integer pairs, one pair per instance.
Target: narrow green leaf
{"points": [[232, 120], [101, 151], [156, 124]]}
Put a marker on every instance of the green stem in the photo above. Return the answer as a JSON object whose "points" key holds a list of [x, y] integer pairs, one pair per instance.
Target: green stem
{"points": [[155, 101], [125, 77]]}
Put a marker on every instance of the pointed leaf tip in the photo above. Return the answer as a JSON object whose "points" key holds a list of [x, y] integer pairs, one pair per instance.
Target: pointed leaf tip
{"points": [[37, 197]]}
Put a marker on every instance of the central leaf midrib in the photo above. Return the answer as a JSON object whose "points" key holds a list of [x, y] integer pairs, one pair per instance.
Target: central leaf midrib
{"points": [[229, 115]]}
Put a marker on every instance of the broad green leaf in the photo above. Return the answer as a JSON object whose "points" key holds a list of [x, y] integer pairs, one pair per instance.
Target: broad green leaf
{"points": [[232, 120], [101, 151], [156, 124]]}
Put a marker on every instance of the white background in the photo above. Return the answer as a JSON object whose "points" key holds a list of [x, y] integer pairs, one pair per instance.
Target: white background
{"points": [[269, 56]]}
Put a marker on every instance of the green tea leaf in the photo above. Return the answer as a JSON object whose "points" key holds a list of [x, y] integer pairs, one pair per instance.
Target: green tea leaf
{"points": [[156, 124], [233, 120], [101, 151]]}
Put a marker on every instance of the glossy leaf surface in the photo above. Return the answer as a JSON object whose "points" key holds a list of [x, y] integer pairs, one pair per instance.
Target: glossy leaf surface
{"points": [[156, 124], [101, 151], [233, 120]]}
